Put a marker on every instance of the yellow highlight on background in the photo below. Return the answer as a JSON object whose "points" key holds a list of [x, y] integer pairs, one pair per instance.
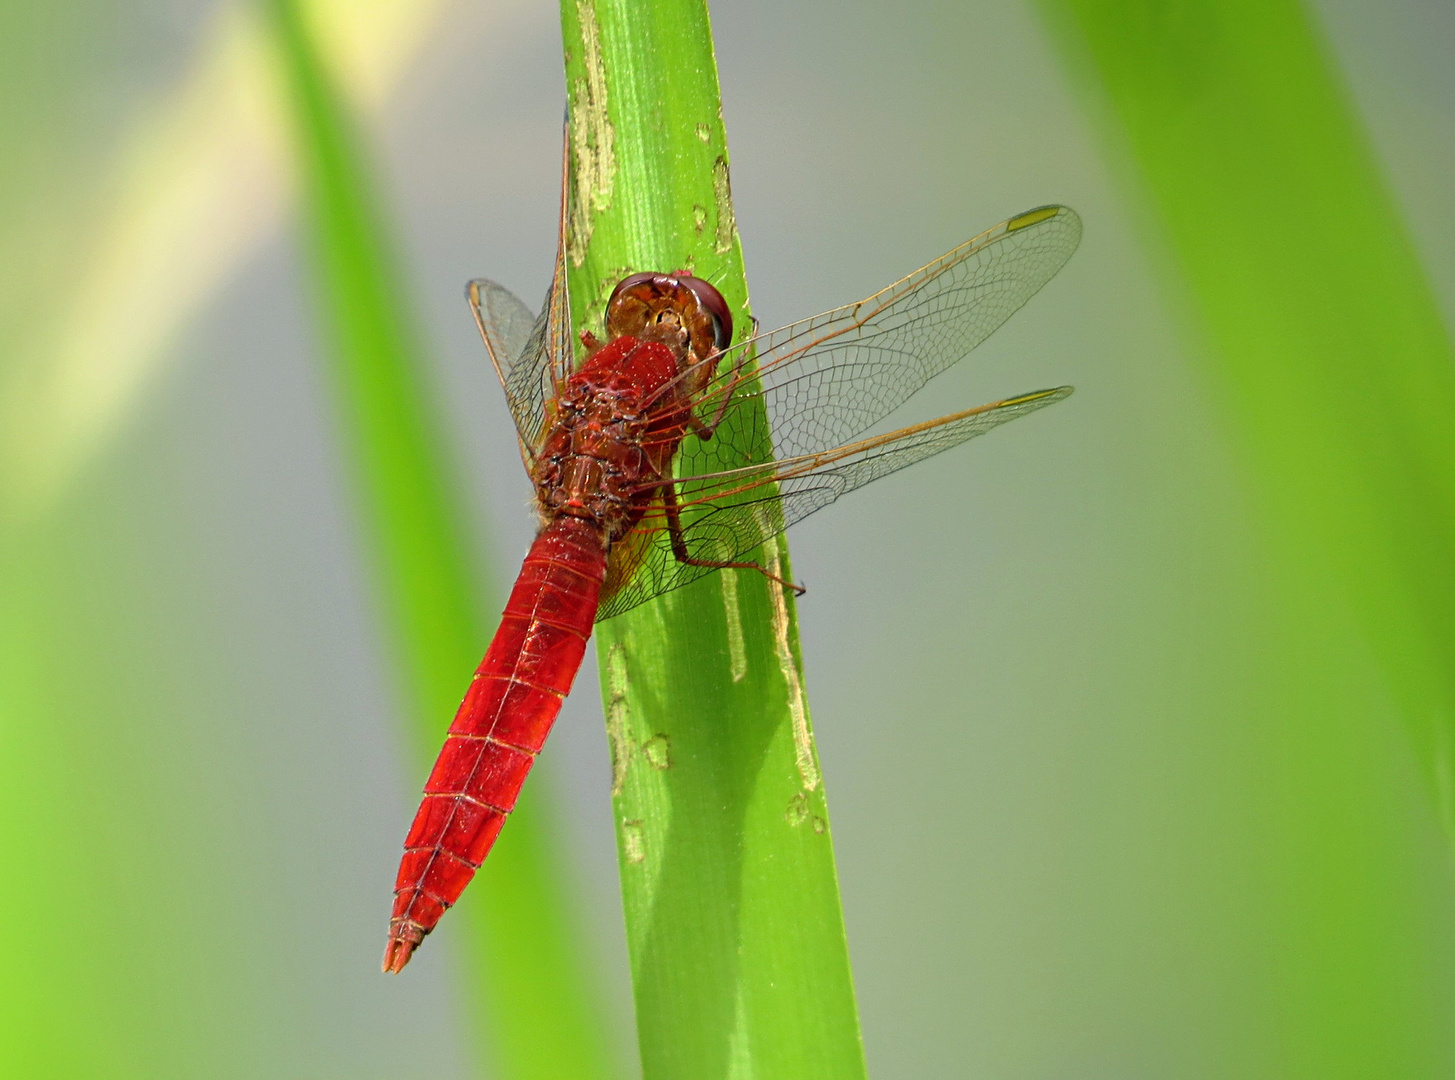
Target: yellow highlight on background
{"points": [[201, 185]]}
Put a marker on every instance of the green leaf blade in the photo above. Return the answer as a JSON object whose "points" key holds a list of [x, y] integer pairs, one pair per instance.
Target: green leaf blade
{"points": [[734, 926]]}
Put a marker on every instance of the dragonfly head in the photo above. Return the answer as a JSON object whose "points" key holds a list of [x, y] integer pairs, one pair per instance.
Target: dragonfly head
{"points": [[655, 305]]}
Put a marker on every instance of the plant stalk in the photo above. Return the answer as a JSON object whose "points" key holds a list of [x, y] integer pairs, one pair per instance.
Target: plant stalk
{"points": [[740, 965]]}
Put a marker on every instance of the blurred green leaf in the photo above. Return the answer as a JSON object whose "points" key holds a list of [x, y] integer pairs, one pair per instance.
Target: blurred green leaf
{"points": [[528, 977], [1328, 349], [1325, 350]]}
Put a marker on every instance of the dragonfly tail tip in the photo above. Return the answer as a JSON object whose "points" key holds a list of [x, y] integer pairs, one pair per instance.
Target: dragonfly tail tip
{"points": [[396, 955], [403, 940]]}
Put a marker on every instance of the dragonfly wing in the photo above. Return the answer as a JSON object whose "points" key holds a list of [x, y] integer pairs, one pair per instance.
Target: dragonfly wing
{"points": [[725, 515], [827, 379], [506, 325], [531, 354]]}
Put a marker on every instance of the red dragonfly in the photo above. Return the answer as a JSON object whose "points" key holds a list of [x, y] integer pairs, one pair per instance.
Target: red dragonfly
{"points": [[626, 451]]}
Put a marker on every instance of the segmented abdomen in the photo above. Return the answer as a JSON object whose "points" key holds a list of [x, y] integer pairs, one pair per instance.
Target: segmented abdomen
{"points": [[502, 723]]}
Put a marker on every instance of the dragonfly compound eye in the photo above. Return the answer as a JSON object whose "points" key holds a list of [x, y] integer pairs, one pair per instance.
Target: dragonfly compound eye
{"points": [[630, 281], [712, 303], [708, 298]]}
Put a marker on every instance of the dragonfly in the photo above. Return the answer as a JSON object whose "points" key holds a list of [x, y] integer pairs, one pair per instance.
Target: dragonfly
{"points": [[626, 449]]}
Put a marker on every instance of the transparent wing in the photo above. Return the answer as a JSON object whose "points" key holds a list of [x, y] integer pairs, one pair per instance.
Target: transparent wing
{"points": [[506, 324], [825, 380], [725, 515], [504, 320], [531, 354]]}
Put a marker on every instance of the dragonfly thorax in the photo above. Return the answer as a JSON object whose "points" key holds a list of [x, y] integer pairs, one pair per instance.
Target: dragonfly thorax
{"points": [[591, 461]]}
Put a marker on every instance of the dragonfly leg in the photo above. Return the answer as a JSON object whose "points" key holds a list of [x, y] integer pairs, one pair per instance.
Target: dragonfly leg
{"points": [[679, 545], [703, 429]]}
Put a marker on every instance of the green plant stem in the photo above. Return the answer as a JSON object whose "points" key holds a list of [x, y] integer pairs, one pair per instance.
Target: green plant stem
{"points": [[739, 961], [527, 977]]}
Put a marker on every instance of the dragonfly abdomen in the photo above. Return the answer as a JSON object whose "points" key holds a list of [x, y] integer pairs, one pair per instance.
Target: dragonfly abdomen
{"points": [[500, 727]]}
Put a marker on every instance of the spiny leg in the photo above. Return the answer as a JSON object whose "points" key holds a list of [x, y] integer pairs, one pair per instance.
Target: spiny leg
{"points": [[704, 429], [679, 545]]}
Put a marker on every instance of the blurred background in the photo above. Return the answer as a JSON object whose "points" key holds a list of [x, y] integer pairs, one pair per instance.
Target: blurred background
{"points": [[1076, 836]]}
